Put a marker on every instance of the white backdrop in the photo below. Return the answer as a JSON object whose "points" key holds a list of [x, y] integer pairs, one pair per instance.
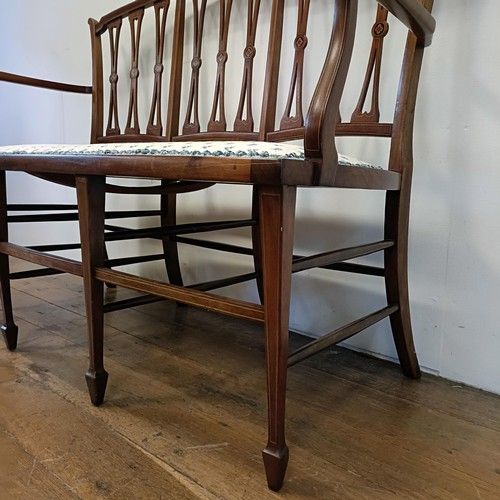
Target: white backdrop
{"points": [[454, 238]]}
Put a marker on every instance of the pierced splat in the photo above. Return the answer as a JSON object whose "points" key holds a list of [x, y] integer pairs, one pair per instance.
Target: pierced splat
{"points": [[246, 124], [379, 31], [155, 126], [113, 127], [192, 121], [217, 122], [289, 121], [135, 20]]}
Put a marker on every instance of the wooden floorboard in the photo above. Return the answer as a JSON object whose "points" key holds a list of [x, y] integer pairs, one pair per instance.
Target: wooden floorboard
{"points": [[185, 414]]}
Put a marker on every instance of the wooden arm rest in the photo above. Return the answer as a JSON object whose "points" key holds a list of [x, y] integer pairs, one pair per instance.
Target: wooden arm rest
{"points": [[414, 16], [45, 84]]}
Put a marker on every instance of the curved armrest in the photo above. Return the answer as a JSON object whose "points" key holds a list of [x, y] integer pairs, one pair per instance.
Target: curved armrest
{"points": [[44, 84], [414, 16]]}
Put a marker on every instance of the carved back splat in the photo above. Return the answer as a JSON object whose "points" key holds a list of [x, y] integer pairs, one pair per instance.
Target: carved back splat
{"points": [[154, 123], [379, 31], [217, 122], [247, 124], [289, 121], [189, 82], [192, 120], [135, 20], [114, 29]]}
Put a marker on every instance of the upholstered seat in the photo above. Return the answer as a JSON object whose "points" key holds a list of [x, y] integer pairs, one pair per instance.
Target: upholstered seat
{"points": [[226, 149]]}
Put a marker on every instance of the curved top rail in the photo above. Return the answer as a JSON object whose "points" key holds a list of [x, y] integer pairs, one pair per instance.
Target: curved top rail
{"points": [[410, 12], [414, 16], [122, 12], [44, 84]]}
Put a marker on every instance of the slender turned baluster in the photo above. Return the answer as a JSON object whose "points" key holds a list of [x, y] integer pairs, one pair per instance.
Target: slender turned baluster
{"points": [[246, 124], [192, 122], [135, 20], [90, 193], [9, 328], [288, 120], [277, 210], [113, 127], [155, 126], [379, 31], [217, 122]]}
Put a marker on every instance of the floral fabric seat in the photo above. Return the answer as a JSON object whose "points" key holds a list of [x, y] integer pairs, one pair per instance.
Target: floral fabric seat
{"points": [[225, 149]]}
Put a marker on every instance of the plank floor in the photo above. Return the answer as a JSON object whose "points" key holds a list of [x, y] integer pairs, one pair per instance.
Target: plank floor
{"points": [[185, 414]]}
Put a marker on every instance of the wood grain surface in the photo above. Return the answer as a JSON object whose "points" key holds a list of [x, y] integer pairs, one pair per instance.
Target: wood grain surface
{"points": [[185, 413]]}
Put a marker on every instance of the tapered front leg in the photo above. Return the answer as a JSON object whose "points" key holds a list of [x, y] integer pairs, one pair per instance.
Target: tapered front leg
{"points": [[9, 328], [277, 212], [90, 192]]}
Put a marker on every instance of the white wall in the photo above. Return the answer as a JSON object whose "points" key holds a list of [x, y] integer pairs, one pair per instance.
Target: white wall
{"points": [[454, 275]]}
